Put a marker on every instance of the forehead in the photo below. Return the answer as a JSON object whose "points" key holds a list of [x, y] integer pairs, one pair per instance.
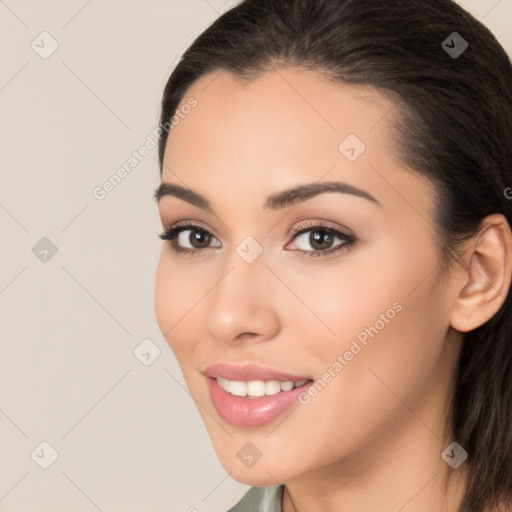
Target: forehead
{"points": [[287, 126], [286, 111], [275, 99]]}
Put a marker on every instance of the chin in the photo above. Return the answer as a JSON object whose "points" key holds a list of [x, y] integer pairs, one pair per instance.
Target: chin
{"points": [[259, 478], [265, 472]]}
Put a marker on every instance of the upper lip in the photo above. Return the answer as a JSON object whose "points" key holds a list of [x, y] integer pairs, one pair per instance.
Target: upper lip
{"points": [[248, 372]]}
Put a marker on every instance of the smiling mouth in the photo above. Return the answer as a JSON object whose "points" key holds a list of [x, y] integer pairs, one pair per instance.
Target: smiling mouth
{"points": [[258, 388], [237, 406]]}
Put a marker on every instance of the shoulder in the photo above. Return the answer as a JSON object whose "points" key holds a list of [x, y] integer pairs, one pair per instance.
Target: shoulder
{"points": [[261, 499]]}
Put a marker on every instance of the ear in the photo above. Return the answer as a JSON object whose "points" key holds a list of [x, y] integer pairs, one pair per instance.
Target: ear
{"points": [[486, 276]]}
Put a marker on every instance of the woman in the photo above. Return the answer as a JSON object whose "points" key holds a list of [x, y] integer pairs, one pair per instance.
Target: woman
{"points": [[335, 281]]}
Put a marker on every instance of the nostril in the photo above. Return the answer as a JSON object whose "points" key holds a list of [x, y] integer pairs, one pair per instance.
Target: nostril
{"points": [[246, 335]]}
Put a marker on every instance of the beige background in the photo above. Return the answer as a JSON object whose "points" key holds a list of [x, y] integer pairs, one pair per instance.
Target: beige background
{"points": [[128, 436]]}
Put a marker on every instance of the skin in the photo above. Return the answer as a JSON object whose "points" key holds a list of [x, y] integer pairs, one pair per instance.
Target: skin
{"points": [[372, 438]]}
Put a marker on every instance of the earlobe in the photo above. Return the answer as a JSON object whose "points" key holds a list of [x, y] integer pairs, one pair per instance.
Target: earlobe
{"points": [[488, 275]]}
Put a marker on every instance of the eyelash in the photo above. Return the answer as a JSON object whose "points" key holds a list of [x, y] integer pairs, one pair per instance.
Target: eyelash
{"points": [[171, 234]]}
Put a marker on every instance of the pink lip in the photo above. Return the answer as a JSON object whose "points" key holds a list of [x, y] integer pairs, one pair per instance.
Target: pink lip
{"points": [[252, 412], [248, 372]]}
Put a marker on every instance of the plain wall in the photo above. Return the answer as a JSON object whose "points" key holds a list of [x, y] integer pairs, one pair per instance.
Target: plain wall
{"points": [[129, 437]]}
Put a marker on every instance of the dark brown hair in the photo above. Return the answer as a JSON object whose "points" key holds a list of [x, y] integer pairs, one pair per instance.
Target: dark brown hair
{"points": [[454, 127]]}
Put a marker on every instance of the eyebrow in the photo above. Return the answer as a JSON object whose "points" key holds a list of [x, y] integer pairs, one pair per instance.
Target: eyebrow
{"points": [[276, 201]]}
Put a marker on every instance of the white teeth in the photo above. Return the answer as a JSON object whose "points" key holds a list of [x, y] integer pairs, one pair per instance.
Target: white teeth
{"points": [[238, 388], [272, 387], [223, 383], [287, 386], [257, 388]]}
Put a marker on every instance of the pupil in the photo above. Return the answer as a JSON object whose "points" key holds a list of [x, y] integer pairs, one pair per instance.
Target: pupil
{"points": [[199, 237], [317, 238]]}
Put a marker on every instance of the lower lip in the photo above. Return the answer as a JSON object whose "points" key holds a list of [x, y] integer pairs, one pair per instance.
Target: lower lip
{"points": [[252, 412]]}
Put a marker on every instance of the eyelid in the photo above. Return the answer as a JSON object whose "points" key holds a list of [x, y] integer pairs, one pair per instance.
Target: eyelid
{"points": [[307, 225], [186, 223]]}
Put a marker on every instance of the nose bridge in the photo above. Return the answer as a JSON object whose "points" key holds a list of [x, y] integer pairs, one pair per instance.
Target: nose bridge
{"points": [[240, 287], [245, 267], [241, 300]]}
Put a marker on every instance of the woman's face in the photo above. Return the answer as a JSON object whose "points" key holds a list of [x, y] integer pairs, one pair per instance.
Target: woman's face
{"points": [[356, 304]]}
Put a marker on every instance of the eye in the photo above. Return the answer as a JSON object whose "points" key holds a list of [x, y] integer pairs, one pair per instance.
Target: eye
{"points": [[197, 238], [322, 239], [188, 238]]}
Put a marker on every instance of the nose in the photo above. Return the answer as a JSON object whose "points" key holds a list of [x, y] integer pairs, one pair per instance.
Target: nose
{"points": [[243, 303]]}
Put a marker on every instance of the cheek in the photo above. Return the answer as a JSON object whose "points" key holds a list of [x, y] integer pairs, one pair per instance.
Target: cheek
{"points": [[396, 351], [395, 365], [385, 316], [387, 285], [181, 292], [173, 298], [338, 303], [164, 301]]}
